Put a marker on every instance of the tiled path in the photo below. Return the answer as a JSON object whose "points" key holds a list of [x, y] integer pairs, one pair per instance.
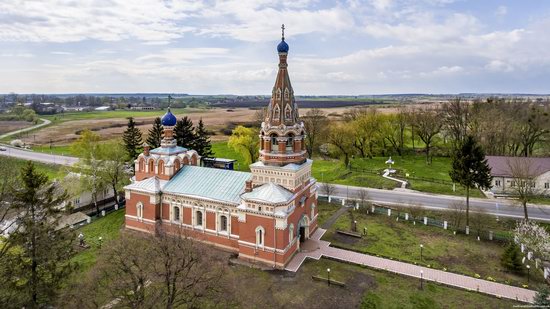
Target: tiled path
{"points": [[451, 279]]}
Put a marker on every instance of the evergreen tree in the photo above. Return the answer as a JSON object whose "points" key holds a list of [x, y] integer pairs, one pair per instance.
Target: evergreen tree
{"points": [[542, 299], [511, 258], [470, 169], [34, 271], [132, 139], [155, 134], [202, 141], [184, 132]]}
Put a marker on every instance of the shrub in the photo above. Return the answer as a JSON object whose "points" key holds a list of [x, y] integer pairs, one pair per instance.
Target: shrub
{"points": [[370, 301], [511, 259], [541, 298]]}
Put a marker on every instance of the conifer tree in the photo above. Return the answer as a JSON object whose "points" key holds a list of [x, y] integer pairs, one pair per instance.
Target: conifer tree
{"points": [[470, 169], [202, 141], [132, 139], [155, 134], [33, 273], [184, 133], [511, 258]]}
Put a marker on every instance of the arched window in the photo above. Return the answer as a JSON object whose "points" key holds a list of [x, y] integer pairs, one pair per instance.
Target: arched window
{"points": [[139, 211], [185, 161], [274, 143], [161, 167], [289, 141], [223, 223], [142, 165], [291, 233], [277, 113], [260, 235], [193, 160], [177, 165], [151, 166], [286, 94], [312, 211], [288, 112], [198, 218], [176, 214]]}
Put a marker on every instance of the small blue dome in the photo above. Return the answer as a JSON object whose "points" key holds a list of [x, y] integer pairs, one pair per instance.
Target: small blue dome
{"points": [[282, 47], [169, 119]]}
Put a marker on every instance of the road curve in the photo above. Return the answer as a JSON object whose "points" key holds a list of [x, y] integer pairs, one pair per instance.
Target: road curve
{"points": [[44, 123], [38, 156]]}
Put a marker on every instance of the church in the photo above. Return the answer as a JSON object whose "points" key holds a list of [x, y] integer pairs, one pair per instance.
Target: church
{"points": [[263, 215]]}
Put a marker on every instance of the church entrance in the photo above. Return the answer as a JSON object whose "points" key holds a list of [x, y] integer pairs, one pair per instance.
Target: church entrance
{"points": [[302, 233]]}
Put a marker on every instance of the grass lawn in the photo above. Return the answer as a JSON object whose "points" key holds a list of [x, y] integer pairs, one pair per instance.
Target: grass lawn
{"points": [[63, 150], [413, 165], [53, 171], [401, 240], [275, 289], [326, 210], [107, 227], [222, 150]]}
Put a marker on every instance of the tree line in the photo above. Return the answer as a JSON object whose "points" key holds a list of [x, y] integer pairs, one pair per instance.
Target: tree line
{"points": [[186, 134]]}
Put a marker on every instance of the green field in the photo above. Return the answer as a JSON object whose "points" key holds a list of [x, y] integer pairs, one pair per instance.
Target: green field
{"points": [[111, 114], [53, 171], [442, 249]]}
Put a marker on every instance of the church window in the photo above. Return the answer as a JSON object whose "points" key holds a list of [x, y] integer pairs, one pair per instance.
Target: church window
{"points": [[291, 233], [161, 167], [312, 211], [288, 112], [198, 218], [141, 165], [177, 165], [286, 94], [259, 208], [151, 166], [177, 214], [278, 93], [260, 235], [139, 211], [276, 113], [274, 142], [289, 141], [223, 223]]}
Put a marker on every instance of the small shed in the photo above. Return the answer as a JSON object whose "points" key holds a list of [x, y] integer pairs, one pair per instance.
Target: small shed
{"points": [[221, 163]]}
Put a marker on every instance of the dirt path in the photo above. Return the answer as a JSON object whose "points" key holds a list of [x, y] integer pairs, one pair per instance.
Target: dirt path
{"points": [[334, 217]]}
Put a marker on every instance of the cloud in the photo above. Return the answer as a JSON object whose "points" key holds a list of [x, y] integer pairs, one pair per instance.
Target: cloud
{"points": [[61, 53], [501, 11], [499, 66]]}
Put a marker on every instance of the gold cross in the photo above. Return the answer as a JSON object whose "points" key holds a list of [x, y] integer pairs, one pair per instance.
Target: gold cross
{"points": [[283, 31]]}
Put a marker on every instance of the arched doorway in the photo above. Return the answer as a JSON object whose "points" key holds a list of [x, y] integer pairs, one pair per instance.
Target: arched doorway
{"points": [[303, 228]]}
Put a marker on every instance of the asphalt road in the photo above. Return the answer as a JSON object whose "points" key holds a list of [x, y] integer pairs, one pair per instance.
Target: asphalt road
{"points": [[38, 156], [45, 122], [496, 207]]}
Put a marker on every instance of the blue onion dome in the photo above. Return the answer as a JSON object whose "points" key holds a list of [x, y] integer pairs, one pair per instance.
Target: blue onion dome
{"points": [[169, 120], [282, 47]]}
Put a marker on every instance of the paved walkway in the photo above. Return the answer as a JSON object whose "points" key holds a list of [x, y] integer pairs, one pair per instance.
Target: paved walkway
{"points": [[45, 122], [439, 276], [330, 221]]}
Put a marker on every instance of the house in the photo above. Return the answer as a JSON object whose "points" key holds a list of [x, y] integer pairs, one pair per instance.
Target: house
{"points": [[82, 200], [263, 216], [504, 168]]}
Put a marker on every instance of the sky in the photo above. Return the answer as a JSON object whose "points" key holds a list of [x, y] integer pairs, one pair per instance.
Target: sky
{"points": [[349, 47]]}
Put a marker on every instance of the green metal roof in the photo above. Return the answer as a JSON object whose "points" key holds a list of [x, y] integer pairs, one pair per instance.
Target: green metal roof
{"points": [[209, 183]]}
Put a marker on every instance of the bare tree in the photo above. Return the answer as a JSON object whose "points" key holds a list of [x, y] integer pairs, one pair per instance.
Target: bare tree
{"points": [[259, 116], [427, 124], [364, 200], [524, 174], [316, 125], [416, 211], [328, 189], [456, 119], [457, 214], [479, 219]]}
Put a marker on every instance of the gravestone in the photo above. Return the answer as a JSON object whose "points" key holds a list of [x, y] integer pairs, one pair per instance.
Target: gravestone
{"points": [[389, 212], [445, 225], [103, 213], [116, 206], [490, 235], [425, 220], [407, 217]]}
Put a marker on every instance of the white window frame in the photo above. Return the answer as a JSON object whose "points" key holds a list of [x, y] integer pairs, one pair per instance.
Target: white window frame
{"points": [[201, 225], [139, 210], [312, 211], [180, 220], [260, 236], [220, 228], [291, 233]]}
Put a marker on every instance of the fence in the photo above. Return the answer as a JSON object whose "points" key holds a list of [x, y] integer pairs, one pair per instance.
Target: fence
{"points": [[400, 214]]}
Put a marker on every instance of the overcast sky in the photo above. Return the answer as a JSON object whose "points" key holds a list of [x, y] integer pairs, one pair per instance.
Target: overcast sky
{"points": [[229, 47]]}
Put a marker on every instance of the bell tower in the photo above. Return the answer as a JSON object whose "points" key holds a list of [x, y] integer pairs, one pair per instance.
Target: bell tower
{"points": [[282, 133]]}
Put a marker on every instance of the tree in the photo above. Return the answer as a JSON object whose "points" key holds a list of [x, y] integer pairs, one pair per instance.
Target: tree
{"points": [[511, 258], [155, 134], [456, 120], [392, 129], [328, 189], [524, 173], [470, 169], [366, 130], [132, 139], [342, 138], [113, 167], [456, 215], [542, 298], [245, 141], [202, 141], [534, 237], [8, 181], [90, 165], [184, 133], [316, 125], [33, 273], [427, 124]]}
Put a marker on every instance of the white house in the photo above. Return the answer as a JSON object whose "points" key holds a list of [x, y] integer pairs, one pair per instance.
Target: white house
{"points": [[502, 171]]}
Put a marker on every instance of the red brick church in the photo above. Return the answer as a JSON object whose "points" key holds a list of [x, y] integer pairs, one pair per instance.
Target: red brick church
{"points": [[263, 215]]}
